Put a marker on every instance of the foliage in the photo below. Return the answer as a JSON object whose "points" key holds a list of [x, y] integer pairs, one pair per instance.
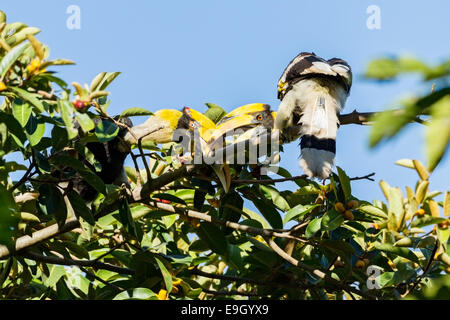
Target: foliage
{"points": [[188, 239], [434, 105]]}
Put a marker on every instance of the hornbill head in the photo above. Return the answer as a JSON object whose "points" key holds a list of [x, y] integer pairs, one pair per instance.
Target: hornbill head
{"points": [[247, 120], [158, 128], [161, 127]]}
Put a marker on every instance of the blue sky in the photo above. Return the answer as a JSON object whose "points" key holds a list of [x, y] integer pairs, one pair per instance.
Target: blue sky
{"points": [[185, 53]]}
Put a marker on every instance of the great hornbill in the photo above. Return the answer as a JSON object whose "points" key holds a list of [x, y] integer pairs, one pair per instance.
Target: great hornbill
{"points": [[313, 91], [249, 127], [243, 124], [111, 155]]}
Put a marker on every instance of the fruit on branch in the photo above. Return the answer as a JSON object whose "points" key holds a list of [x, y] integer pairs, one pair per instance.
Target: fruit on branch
{"points": [[339, 206]]}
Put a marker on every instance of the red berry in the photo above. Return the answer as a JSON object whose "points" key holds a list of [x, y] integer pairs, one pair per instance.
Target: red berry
{"points": [[80, 105], [163, 200]]}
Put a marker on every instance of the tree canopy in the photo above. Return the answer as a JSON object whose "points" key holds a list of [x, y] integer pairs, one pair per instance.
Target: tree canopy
{"points": [[175, 233]]}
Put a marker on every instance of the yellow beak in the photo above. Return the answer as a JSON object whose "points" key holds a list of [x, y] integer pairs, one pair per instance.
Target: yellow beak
{"points": [[241, 117], [204, 124], [158, 128]]}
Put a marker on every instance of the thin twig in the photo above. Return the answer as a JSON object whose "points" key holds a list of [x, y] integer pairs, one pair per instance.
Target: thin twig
{"points": [[367, 177], [25, 176], [251, 281], [425, 271]]}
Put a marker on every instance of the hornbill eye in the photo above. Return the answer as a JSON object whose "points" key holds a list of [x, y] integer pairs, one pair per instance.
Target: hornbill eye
{"points": [[259, 117]]}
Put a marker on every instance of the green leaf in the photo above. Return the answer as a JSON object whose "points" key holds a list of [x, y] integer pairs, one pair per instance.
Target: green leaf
{"points": [[313, 227], [14, 127], [332, 220], [166, 274], [438, 132], [234, 257], [298, 211], [57, 62], [56, 273], [66, 161], [269, 212], [66, 109], [402, 252], [345, 183], [35, 130], [382, 69], [7, 219], [52, 202], [396, 212], [272, 194], [344, 248], [30, 97], [232, 207], [78, 250], [21, 111], [59, 138], [84, 121], [251, 223], [214, 112], [386, 68], [134, 112], [108, 78], [20, 36], [407, 163], [96, 81], [137, 294], [126, 218], [11, 57], [426, 220], [389, 123], [12, 166], [79, 207], [214, 237], [255, 216], [372, 210], [106, 131], [387, 279]]}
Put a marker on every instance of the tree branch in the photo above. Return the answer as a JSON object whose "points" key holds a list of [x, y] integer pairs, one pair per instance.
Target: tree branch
{"points": [[355, 117], [72, 262], [162, 180], [364, 118], [251, 281], [270, 181], [39, 236], [224, 223]]}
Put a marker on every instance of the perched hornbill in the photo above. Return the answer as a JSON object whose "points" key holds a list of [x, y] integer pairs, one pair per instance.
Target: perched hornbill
{"points": [[313, 91], [246, 121], [161, 127], [246, 125], [111, 155]]}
